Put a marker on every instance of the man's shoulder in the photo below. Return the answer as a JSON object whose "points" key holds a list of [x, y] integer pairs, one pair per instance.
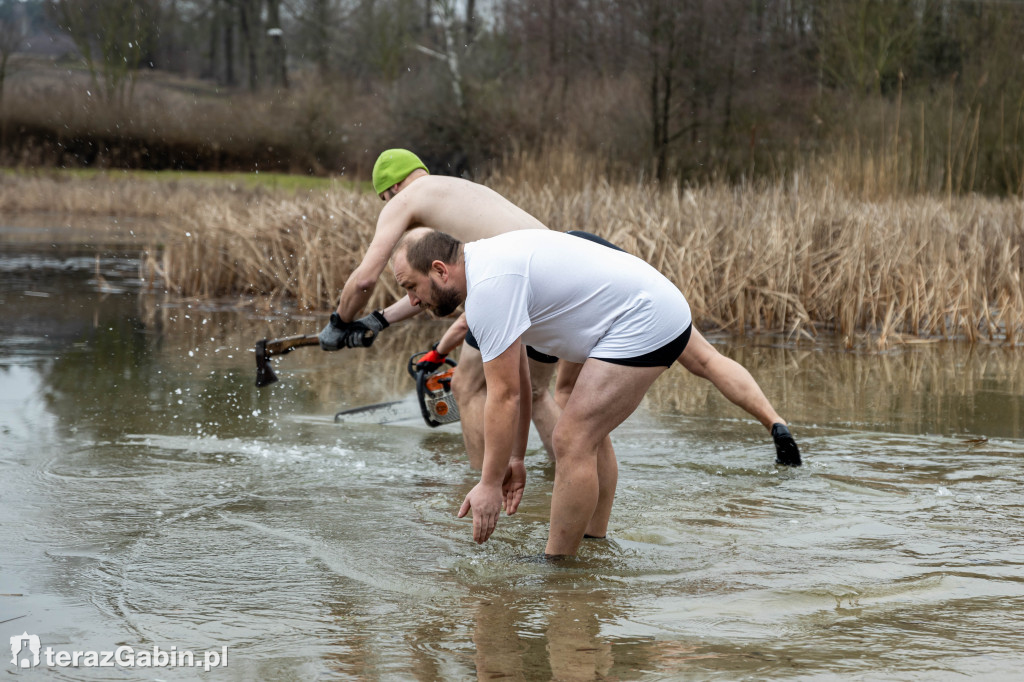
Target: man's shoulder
{"points": [[431, 195], [433, 183]]}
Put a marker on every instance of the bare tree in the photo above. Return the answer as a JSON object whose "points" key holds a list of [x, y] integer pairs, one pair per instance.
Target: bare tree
{"points": [[451, 57], [12, 36], [278, 66], [864, 43], [112, 37], [659, 26], [251, 34], [470, 21], [316, 23]]}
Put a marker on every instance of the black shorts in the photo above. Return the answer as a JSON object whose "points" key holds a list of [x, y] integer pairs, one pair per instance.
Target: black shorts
{"points": [[663, 357], [593, 238], [531, 352]]}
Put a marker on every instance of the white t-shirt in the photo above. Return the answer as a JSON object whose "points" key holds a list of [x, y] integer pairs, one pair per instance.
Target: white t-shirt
{"points": [[568, 297]]}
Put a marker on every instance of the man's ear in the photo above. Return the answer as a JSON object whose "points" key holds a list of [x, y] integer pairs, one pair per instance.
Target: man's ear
{"points": [[441, 268]]}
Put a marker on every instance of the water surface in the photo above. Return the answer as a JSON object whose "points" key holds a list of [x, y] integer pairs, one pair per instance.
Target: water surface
{"points": [[152, 496]]}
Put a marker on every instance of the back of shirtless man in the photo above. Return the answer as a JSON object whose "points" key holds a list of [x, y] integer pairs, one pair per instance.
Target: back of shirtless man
{"points": [[468, 211]]}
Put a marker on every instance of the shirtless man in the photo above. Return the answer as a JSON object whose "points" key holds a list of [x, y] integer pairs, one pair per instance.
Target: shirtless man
{"points": [[468, 211], [614, 314]]}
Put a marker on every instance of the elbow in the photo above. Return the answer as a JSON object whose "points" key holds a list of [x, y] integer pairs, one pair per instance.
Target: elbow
{"points": [[362, 283], [361, 279]]}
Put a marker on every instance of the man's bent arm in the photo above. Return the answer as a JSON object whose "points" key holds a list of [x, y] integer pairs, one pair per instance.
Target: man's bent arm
{"points": [[515, 477], [402, 309], [502, 418], [501, 426], [454, 337], [394, 220], [525, 406]]}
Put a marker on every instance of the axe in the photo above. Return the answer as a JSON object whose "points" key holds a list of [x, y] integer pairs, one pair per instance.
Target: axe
{"points": [[265, 348]]}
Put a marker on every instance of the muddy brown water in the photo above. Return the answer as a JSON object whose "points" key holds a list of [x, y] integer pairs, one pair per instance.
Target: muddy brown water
{"points": [[154, 499]]}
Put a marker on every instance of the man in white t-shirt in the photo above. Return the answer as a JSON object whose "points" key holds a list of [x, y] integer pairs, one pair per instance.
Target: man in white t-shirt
{"points": [[585, 303]]}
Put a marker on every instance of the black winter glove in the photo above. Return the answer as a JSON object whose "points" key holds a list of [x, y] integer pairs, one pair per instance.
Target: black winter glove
{"points": [[333, 335], [786, 451], [363, 332]]}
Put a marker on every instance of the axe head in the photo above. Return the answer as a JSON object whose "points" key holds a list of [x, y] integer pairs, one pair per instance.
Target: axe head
{"points": [[265, 348], [264, 371]]}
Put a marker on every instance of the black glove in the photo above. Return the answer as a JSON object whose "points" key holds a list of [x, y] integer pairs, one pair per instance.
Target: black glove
{"points": [[786, 451], [333, 335], [431, 360], [363, 332]]}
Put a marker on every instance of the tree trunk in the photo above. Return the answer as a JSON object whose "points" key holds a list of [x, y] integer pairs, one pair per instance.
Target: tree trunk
{"points": [[470, 20], [228, 28], [278, 56], [249, 29]]}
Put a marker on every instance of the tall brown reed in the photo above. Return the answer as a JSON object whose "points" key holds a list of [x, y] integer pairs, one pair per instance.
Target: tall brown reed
{"points": [[801, 257], [301, 248]]}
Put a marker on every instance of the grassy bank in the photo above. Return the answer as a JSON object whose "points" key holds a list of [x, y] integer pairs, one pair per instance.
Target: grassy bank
{"points": [[799, 256]]}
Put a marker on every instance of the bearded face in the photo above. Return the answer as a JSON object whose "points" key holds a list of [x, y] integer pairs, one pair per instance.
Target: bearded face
{"points": [[445, 300]]}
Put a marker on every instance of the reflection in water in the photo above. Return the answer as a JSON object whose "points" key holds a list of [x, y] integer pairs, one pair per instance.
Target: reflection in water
{"points": [[152, 495], [551, 632]]}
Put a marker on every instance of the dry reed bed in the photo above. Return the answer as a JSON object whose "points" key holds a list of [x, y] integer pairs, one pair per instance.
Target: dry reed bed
{"points": [[301, 248], [798, 258], [749, 259], [114, 194]]}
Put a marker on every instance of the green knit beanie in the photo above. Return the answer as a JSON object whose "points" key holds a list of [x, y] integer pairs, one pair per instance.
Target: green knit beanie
{"points": [[393, 166]]}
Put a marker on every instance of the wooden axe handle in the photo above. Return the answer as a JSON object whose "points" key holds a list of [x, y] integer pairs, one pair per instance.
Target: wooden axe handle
{"points": [[289, 343], [265, 348]]}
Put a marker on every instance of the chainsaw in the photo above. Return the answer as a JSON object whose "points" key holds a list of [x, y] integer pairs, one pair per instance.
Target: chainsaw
{"points": [[434, 391]]}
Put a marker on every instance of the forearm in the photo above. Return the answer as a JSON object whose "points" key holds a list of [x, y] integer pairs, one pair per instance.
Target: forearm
{"points": [[354, 297], [400, 310], [525, 410], [501, 428], [454, 336]]}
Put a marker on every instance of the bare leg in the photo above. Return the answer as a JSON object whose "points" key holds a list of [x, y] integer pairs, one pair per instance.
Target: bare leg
{"points": [[471, 395], [608, 479], [567, 374], [729, 377], [607, 466], [605, 395], [544, 410]]}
